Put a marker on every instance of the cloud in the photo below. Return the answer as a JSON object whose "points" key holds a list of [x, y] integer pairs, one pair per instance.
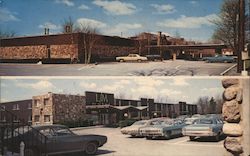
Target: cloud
{"points": [[40, 85], [50, 25], [164, 9], [91, 23], [212, 90], [83, 7], [169, 92], [65, 2], [178, 81], [88, 86], [185, 22], [6, 15], [193, 2], [116, 7], [122, 27]]}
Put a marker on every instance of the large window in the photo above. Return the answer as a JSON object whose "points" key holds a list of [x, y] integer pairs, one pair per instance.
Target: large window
{"points": [[29, 105], [16, 107], [46, 102], [36, 102], [2, 108], [37, 118], [46, 118]]}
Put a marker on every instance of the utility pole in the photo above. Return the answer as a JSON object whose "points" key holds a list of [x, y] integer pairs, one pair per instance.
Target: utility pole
{"points": [[241, 34]]}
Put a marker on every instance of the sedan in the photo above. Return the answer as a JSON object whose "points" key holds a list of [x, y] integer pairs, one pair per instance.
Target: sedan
{"points": [[131, 57], [220, 59], [204, 127], [163, 129], [134, 129], [53, 139]]}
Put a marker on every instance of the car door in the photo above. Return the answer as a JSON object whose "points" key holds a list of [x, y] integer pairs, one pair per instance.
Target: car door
{"points": [[66, 141]]}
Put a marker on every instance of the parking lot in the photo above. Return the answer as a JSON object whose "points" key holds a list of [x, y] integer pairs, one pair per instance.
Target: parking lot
{"points": [[122, 145], [164, 68]]}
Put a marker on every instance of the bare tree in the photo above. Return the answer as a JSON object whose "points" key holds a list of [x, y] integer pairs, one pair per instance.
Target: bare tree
{"points": [[203, 103], [67, 25], [226, 24], [6, 33], [90, 38]]}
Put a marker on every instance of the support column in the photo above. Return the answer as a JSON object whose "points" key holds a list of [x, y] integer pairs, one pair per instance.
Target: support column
{"points": [[174, 56], [246, 116]]}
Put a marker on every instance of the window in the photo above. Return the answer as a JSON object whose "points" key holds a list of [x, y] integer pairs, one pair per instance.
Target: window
{"points": [[46, 118], [61, 131], [15, 119], [16, 107], [30, 118], [37, 118], [36, 103], [3, 118], [2, 108], [46, 102], [29, 105], [47, 132]]}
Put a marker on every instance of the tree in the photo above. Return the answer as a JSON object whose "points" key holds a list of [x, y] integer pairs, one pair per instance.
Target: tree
{"points": [[226, 25], [6, 33], [202, 104], [90, 38], [212, 106], [68, 25]]}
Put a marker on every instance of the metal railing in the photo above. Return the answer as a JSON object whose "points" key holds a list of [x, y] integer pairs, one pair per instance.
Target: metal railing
{"points": [[14, 130]]}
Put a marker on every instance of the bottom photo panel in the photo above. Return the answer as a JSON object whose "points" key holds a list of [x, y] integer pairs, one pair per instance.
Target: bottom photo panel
{"points": [[121, 116]]}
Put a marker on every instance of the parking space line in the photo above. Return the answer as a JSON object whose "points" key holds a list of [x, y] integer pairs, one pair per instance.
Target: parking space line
{"points": [[182, 141], [81, 68], [177, 67]]}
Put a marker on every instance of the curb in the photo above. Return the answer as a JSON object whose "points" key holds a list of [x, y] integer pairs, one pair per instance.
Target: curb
{"points": [[227, 70]]}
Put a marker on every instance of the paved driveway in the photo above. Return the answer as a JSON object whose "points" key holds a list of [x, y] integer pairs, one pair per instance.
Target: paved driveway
{"points": [[164, 68], [122, 145]]}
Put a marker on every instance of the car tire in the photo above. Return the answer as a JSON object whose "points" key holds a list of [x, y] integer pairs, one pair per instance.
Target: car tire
{"points": [[138, 60], [121, 60], [91, 148], [168, 135], [149, 137], [217, 137], [30, 152], [191, 138]]}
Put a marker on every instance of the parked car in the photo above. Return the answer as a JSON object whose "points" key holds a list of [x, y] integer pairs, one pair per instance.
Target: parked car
{"points": [[154, 57], [194, 117], [204, 127], [59, 140], [163, 129], [134, 129], [131, 57], [220, 59]]}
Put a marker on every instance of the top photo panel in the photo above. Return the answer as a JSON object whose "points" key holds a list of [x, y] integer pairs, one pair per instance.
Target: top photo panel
{"points": [[124, 37]]}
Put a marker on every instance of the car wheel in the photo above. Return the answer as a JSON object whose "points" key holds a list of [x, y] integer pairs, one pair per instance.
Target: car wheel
{"points": [[30, 152], [191, 138], [121, 60], [139, 60], [149, 137], [168, 135], [217, 137], [91, 148]]}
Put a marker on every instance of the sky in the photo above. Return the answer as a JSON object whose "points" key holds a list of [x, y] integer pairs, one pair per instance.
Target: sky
{"points": [[188, 18], [169, 89]]}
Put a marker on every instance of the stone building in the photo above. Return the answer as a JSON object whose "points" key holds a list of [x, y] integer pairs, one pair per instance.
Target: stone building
{"points": [[63, 47], [57, 108]]}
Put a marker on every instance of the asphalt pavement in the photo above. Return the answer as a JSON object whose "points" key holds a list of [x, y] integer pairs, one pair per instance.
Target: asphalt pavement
{"points": [[164, 68], [123, 145]]}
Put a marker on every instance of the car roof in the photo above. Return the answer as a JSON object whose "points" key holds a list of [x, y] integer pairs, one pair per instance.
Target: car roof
{"points": [[38, 127]]}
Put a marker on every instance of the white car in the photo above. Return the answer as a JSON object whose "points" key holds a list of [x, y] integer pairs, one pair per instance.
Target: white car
{"points": [[134, 129], [131, 57]]}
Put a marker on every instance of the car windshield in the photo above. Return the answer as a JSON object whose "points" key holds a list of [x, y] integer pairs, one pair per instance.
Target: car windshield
{"points": [[140, 123], [61, 131], [204, 121]]}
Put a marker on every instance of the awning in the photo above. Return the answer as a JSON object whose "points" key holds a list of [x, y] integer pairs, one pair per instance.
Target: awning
{"points": [[142, 107]]}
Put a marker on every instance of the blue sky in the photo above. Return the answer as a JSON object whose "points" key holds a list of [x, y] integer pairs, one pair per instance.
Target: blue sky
{"points": [[162, 89], [190, 18]]}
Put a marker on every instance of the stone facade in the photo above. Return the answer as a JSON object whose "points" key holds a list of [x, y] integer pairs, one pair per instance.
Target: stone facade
{"points": [[232, 114], [57, 108]]}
